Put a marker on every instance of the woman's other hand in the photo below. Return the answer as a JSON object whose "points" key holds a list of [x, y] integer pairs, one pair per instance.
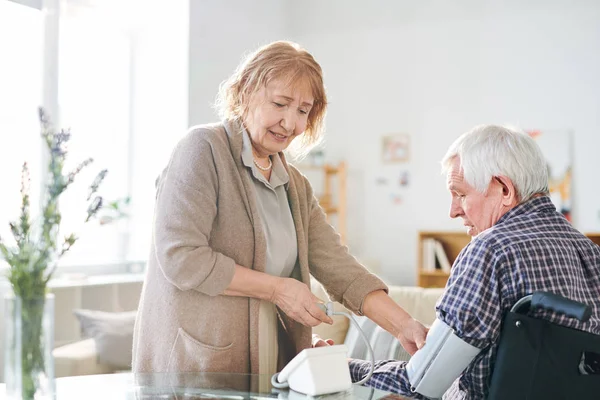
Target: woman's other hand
{"points": [[380, 308], [317, 341], [298, 302], [412, 336]]}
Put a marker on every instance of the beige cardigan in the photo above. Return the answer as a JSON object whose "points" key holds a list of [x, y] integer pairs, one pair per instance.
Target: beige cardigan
{"points": [[206, 220]]}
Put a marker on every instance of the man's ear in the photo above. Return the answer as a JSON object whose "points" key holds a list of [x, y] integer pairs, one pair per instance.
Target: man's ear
{"points": [[509, 192]]}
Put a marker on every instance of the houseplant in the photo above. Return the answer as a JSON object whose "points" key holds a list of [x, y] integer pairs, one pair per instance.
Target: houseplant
{"points": [[32, 259]]}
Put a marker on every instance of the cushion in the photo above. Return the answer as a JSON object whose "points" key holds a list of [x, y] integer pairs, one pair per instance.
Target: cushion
{"points": [[384, 345], [112, 334], [79, 358], [417, 301]]}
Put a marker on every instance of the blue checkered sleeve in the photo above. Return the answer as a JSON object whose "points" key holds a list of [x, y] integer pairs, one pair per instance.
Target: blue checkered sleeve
{"points": [[471, 307], [388, 375], [471, 302]]}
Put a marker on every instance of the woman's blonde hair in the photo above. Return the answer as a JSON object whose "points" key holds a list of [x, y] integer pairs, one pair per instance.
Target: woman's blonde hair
{"points": [[281, 60]]}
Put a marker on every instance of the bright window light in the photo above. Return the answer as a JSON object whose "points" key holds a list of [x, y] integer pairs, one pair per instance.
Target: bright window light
{"points": [[20, 95], [113, 61], [94, 99]]}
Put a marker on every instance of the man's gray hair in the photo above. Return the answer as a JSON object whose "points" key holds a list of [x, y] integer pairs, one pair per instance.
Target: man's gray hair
{"points": [[487, 151]]}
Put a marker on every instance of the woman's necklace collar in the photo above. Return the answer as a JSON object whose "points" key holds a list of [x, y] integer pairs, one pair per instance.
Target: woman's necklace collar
{"points": [[268, 167]]}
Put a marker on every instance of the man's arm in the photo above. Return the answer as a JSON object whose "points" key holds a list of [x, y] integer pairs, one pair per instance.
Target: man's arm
{"points": [[431, 371], [389, 375]]}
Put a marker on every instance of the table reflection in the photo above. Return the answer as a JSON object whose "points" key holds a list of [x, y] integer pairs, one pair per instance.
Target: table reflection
{"points": [[128, 386], [233, 387]]}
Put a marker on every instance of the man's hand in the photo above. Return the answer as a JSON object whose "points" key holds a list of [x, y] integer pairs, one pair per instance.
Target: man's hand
{"points": [[412, 336], [297, 301]]}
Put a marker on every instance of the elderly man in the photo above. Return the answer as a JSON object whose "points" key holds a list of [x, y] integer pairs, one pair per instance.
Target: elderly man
{"points": [[497, 178]]}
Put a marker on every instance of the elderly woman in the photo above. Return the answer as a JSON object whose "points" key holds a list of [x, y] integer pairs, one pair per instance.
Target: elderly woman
{"points": [[238, 232]]}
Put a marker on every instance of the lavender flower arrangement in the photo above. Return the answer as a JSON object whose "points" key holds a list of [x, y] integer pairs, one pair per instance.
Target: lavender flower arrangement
{"points": [[113, 211], [37, 248]]}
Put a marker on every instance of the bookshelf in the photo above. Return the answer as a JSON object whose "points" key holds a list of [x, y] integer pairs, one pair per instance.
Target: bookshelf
{"points": [[594, 237], [329, 184], [452, 241]]}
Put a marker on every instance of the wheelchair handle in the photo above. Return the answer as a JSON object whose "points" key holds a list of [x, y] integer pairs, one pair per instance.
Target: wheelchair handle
{"points": [[553, 302]]}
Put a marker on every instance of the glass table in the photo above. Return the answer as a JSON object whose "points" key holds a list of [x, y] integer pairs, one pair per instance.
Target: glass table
{"points": [[207, 386]]}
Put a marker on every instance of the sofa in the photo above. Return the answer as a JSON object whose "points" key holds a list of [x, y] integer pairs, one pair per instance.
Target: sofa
{"points": [[84, 358], [79, 358]]}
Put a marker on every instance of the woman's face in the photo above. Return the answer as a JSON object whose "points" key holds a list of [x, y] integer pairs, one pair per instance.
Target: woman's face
{"points": [[277, 114]]}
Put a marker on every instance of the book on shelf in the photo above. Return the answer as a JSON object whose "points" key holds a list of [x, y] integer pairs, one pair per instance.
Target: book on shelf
{"points": [[434, 256], [442, 257], [428, 255]]}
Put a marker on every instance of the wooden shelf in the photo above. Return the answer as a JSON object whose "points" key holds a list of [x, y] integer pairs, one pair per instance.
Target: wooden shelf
{"points": [[453, 242], [330, 210], [332, 170], [434, 273], [594, 236], [330, 184]]}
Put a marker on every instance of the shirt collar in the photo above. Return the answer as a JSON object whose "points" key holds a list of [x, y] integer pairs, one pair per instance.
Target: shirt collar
{"points": [[541, 204], [247, 157], [279, 175]]}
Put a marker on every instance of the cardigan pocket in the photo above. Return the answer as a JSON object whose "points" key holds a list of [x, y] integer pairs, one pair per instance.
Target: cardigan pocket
{"points": [[190, 355]]}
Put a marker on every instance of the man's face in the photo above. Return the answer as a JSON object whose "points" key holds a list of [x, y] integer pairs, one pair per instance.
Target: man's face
{"points": [[479, 211]]}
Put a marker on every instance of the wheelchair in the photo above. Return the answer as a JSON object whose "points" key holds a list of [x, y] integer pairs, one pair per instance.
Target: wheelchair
{"points": [[538, 359]]}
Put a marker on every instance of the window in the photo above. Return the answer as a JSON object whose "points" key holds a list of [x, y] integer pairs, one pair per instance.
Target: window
{"points": [[119, 82], [21, 83], [94, 99]]}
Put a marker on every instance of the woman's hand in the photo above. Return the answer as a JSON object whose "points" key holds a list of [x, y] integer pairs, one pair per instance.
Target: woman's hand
{"points": [[412, 336], [379, 307], [297, 301], [318, 342]]}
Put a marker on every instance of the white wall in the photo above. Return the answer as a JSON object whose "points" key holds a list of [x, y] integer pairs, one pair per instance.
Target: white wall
{"points": [[432, 69], [435, 69], [221, 32]]}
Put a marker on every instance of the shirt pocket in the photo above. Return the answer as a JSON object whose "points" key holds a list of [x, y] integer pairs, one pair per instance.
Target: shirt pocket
{"points": [[190, 355]]}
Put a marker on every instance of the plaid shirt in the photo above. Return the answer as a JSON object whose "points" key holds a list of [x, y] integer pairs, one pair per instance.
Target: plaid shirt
{"points": [[531, 248]]}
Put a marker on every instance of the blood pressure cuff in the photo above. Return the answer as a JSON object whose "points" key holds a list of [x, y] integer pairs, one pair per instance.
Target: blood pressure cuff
{"points": [[444, 357]]}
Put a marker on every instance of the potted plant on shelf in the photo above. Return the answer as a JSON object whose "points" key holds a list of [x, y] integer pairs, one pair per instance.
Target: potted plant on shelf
{"points": [[32, 258]]}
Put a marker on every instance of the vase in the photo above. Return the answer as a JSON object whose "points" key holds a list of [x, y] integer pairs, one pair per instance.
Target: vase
{"points": [[29, 340]]}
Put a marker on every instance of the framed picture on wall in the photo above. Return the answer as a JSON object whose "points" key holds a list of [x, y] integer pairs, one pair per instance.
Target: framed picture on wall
{"points": [[395, 148]]}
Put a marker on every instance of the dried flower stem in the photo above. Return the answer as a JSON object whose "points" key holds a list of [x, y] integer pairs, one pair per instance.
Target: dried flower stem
{"points": [[34, 258]]}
